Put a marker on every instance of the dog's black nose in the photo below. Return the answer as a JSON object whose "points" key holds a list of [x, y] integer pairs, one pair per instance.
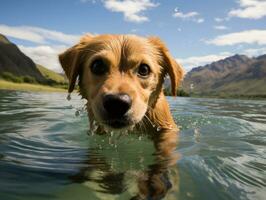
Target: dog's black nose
{"points": [[116, 105]]}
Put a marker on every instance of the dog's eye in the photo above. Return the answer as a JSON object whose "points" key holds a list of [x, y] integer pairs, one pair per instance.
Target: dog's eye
{"points": [[144, 70], [98, 67]]}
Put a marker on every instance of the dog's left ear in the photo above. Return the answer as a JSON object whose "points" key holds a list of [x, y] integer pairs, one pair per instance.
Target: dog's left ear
{"points": [[174, 69], [70, 61]]}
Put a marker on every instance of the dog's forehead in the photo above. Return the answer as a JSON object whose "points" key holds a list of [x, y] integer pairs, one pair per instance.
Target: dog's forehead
{"points": [[134, 44], [124, 44]]}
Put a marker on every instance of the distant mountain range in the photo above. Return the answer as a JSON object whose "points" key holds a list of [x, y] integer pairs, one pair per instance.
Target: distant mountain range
{"points": [[13, 61], [237, 75]]}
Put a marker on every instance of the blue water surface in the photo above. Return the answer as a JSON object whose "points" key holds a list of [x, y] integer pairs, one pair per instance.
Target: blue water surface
{"points": [[46, 151]]}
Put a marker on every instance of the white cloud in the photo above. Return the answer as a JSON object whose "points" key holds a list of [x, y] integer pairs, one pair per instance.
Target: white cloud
{"points": [[131, 9], [179, 14], [254, 51], [244, 37], [196, 61], [252, 9], [200, 20], [37, 34], [217, 19], [220, 27], [44, 55], [192, 16]]}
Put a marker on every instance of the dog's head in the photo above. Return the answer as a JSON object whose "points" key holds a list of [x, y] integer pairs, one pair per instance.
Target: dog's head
{"points": [[121, 76]]}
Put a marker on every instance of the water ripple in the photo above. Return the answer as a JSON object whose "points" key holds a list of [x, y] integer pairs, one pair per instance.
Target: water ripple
{"points": [[46, 153]]}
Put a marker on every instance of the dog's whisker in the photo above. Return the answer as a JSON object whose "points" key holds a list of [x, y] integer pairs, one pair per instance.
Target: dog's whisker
{"points": [[142, 125], [153, 125], [145, 125], [158, 128]]}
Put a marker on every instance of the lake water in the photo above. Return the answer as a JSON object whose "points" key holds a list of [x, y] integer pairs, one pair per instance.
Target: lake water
{"points": [[48, 152]]}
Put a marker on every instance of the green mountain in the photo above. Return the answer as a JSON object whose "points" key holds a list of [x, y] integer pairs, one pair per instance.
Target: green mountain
{"points": [[237, 75], [12, 60], [15, 65], [51, 75]]}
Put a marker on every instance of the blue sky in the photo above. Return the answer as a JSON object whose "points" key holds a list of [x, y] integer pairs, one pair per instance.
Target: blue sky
{"points": [[196, 31]]}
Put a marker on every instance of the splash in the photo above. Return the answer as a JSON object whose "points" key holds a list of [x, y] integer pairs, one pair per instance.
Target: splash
{"points": [[196, 135], [158, 129]]}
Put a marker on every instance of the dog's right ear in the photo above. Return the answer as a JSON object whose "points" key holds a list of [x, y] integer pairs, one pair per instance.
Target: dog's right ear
{"points": [[174, 69], [70, 61]]}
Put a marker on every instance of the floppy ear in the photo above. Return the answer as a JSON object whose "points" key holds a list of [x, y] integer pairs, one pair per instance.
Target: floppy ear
{"points": [[71, 59], [174, 69]]}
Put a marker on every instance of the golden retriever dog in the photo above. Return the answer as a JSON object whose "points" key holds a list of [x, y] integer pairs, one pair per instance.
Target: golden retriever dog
{"points": [[121, 77]]}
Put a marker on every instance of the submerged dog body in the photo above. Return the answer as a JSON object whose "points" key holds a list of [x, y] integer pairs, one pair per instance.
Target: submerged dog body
{"points": [[121, 77]]}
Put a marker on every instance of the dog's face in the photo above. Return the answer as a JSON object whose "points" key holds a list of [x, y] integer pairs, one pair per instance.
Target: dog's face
{"points": [[121, 76]]}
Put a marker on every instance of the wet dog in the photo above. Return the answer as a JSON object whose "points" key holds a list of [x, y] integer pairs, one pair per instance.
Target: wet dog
{"points": [[121, 77]]}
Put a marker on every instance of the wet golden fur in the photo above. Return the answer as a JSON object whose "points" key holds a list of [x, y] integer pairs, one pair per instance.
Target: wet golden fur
{"points": [[123, 54], [150, 110]]}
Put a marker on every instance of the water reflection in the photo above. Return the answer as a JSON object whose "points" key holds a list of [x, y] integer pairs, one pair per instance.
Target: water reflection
{"points": [[153, 181]]}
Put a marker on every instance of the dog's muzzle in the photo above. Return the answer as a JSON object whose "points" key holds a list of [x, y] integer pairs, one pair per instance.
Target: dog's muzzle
{"points": [[116, 107]]}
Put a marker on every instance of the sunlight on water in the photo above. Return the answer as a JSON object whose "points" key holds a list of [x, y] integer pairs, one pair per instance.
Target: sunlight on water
{"points": [[47, 151]]}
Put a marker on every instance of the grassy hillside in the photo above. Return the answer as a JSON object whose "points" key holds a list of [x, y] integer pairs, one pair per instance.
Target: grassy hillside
{"points": [[7, 85], [242, 87], [49, 74]]}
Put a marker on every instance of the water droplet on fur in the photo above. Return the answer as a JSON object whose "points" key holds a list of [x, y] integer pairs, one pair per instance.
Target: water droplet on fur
{"points": [[84, 108], [158, 128], [94, 126]]}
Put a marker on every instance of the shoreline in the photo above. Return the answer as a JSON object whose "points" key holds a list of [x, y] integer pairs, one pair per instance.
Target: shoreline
{"points": [[7, 85], [240, 97]]}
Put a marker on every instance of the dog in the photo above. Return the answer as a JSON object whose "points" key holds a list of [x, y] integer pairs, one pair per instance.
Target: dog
{"points": [[121, 77]]}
